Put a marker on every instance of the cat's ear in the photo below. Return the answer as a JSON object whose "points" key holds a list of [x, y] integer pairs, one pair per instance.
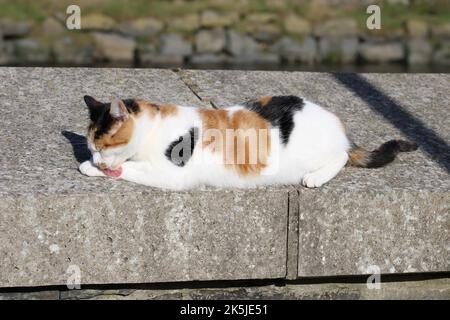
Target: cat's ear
{"points": [[118, 110], [95, 107], [91, 102]]}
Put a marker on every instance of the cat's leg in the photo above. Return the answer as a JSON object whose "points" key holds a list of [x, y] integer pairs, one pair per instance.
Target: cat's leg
{"points": [[88, 169], [143, 173], [326, 173]]}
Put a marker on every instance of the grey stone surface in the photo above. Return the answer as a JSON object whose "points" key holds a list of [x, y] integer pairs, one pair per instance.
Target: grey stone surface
{"points": [[267, 33], [52, 217], [212, 19], [441, 30], [335, 50], [187, 23], [52, 26], [294, 51], [67, 50], [174, 44], [241, 45], [377, 52], [294, 24], [136, 236], [114, 231], [396, 217], [396, 231], [292, 237], [30, 50], [53, 100], [98, 22], [420, 51], [141, 27], [340, 27], [417, 28], [210, 41], [442, 55], [7, 54], [12, 28], [114, 47]]}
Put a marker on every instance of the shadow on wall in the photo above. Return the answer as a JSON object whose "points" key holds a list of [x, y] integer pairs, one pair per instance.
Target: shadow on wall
{"points": [[415, 129], [79, 145]]}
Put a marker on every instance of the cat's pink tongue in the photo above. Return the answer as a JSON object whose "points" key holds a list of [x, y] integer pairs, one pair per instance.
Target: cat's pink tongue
{"points": [[113, 173]]}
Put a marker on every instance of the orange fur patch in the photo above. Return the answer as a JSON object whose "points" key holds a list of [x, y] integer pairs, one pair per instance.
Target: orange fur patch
{"points": [[243, 139], [151, 108], [119, 135], [358, 157], [167, 110], [264, 101]]}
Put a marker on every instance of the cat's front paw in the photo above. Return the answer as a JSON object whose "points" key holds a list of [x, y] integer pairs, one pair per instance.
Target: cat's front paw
{"points": [[313, 180], [88, 169]]}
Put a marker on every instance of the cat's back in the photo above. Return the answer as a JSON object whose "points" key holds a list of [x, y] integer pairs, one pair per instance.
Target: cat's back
{"points": [[277, 111]]}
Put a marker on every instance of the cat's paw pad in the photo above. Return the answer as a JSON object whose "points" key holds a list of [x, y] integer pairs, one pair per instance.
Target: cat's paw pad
{"points": [[313, 180], [88, 169]]}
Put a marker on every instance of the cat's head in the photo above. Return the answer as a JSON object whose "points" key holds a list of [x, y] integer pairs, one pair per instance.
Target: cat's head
{"points": [[111, 131]]}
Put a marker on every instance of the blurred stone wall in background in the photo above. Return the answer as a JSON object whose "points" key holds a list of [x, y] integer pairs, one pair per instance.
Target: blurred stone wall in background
{"points": [[266, 32]]}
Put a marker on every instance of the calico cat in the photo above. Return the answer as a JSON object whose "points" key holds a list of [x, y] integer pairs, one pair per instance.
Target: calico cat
{"points": [[271, 140]]}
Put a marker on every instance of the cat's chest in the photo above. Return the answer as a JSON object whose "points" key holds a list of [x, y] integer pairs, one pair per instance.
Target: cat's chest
{"points": [[148, 150]]}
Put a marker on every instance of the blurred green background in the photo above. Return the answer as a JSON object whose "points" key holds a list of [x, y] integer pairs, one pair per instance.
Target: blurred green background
{"points": [[322, 35]]}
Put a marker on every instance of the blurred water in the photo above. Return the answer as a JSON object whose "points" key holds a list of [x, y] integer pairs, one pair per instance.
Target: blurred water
{"points": [[357, 68]]}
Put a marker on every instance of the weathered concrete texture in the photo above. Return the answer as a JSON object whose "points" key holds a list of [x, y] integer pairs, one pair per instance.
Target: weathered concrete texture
{"points": [[349, 233], [292, 237], [39, 104], [427, 289], [397, 217], [52, 217], [143, 237]]}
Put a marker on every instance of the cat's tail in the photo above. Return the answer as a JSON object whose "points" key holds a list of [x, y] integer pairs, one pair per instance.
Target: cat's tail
{"points": [[386, 153]]}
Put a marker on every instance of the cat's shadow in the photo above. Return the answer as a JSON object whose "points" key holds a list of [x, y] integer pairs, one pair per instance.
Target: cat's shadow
{"points": [[79, 145]]}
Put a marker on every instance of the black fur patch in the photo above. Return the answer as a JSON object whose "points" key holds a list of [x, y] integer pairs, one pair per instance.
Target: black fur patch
{"points": [[131, 105], [181, 150], [102, 120], [279, 111], [387, 152]]}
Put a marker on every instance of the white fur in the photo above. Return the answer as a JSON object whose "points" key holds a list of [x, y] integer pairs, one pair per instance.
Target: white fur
{"points": [[317, 150]]}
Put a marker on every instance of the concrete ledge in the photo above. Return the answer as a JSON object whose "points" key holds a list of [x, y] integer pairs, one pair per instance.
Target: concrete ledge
{"points": [[396, 231], [114, 231], [397, 218], [143, 237]]}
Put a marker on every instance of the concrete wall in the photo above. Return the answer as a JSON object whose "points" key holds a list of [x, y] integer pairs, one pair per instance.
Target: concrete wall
{"points": [[396, 218]]}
